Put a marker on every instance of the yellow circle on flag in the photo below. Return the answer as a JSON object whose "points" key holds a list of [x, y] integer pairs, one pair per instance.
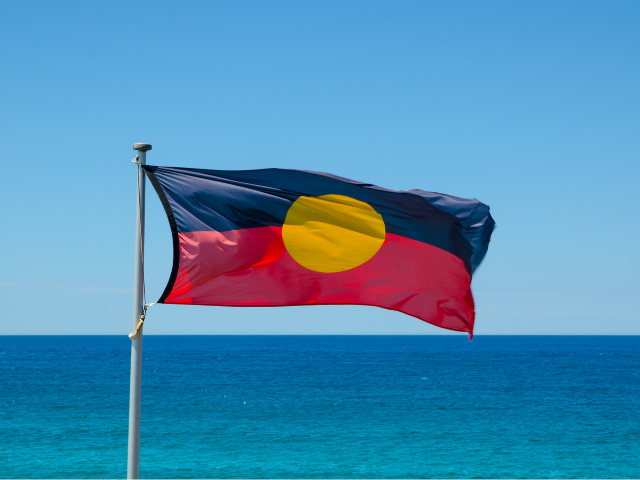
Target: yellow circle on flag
{"points": [[332, 233]]}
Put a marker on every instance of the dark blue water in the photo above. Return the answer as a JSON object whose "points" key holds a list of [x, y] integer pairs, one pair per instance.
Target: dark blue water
{"points": [[324, 407]]}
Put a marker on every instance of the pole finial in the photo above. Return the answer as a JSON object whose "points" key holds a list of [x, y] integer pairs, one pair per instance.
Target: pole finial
{"points": [[142, 147]]}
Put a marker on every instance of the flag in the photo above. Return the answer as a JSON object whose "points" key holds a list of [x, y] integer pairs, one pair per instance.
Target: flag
{"points": [[278, 237]]}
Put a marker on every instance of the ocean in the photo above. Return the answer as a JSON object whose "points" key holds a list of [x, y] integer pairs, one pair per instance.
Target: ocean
{"points": [[323, 407]]}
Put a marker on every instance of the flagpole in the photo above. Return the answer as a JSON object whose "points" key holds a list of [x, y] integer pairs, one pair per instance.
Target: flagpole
{"points": [[133, 459]]}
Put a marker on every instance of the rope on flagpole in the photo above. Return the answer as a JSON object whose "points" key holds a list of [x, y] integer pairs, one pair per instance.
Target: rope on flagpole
{"points": [[138, 329], [136, 333]]}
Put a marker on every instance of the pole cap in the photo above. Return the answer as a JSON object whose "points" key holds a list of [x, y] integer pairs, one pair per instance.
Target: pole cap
{"points": [[142, 147]]}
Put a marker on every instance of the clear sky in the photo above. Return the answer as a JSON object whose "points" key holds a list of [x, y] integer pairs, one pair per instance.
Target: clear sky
{"points": [[531, 107]]}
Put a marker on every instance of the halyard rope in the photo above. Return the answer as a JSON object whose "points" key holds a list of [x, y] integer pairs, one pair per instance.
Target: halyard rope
{"points": [[136, 333]]}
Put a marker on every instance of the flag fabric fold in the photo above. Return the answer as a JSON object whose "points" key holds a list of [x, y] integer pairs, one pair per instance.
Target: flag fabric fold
{"points": [[278, 237]]}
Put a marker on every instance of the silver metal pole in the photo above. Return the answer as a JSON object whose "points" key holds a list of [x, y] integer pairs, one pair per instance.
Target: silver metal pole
{"points": [[133, 461]]}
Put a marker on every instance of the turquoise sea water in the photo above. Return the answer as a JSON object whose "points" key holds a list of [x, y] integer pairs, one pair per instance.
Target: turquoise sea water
{"points": [[323, 407]]}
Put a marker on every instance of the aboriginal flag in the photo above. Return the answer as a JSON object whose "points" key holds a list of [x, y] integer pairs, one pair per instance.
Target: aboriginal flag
{"points": [[278, 237]]}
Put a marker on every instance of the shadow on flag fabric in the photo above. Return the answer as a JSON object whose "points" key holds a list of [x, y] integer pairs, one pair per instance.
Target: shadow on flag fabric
{"points": [[274, 237]]}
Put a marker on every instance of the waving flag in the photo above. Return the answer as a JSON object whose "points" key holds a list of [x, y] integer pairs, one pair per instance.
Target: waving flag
{"points": [[288, 237]]}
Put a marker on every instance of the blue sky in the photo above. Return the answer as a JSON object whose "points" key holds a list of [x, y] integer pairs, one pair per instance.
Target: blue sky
{"points": [[531, 107]]}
